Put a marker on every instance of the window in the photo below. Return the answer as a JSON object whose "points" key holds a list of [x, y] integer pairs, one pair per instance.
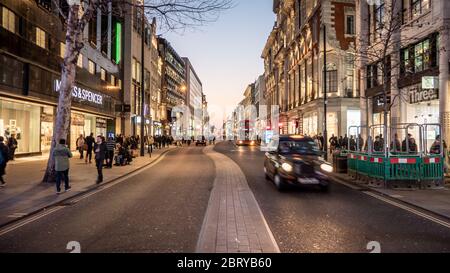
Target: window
{"points": [[102, 74], [91, 67], [40, 37], [8, 20], [379, 15], [62, 49], [419, 7], [350, 25], [113, 80], [80, 61], [133, 69], [332, 86], [93, 30], [419, 57]]}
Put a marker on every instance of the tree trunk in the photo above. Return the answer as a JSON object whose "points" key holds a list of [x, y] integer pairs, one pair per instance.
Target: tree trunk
{"points": [[68, 73]]}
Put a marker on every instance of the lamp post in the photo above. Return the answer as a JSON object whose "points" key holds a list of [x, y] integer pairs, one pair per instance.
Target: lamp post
{"points": [[143, 120], [325, 98]]}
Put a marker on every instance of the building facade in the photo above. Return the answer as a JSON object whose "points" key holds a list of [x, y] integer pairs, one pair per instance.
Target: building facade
{"points": [[132, 63], [30, 70], [294, 66], [417, 83], [173, 86], [194, 95]]}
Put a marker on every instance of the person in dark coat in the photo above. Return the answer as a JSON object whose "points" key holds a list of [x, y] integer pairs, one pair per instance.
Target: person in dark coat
{"points": [[12, 146], [90, 145], [100, 152], [4, 158]]}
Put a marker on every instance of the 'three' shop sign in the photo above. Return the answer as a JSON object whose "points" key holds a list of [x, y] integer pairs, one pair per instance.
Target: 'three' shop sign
{"points": [[418, 94], [82, 94]]}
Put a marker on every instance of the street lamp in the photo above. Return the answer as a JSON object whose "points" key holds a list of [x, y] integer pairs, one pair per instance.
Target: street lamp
{"points": [[143, 33], [325, 98]]}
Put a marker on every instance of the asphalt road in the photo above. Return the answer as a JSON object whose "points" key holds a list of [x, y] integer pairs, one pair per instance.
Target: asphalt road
{"points": [[343, 220], [158, 210]]}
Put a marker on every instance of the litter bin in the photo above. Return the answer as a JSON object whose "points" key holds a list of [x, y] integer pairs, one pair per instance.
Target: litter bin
{"points": [[340, 163]]}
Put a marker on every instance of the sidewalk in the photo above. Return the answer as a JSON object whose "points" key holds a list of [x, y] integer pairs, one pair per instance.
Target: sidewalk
{"points": [[25, 193], [436, 201]]}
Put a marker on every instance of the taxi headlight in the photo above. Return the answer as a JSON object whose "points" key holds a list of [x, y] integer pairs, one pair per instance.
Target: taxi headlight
{"points": [[287, 167], [326, 168]]}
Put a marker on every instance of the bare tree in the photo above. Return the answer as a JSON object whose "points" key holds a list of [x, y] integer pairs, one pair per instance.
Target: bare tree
{"points": [[380, 48], [172, 14]]}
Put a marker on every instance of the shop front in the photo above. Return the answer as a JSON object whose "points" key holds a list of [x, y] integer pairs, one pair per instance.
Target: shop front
{"points": [[423, 105], [31, 119]]}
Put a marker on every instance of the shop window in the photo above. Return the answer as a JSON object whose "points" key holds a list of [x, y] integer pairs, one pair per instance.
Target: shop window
{"points": [[8, 20], [41, 38], [23, 121]]}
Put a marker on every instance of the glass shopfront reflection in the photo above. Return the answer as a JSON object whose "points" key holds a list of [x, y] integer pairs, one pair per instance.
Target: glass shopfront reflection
{"points": [[21, 120]]}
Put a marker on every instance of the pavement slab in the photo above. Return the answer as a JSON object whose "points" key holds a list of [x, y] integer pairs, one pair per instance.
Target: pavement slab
{"points": [[233, 222]]}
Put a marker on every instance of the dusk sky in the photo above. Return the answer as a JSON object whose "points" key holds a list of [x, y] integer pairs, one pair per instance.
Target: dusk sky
{"points": [[227, 54]]}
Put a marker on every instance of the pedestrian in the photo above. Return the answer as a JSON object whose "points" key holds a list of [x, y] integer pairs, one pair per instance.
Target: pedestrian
{"points": [[110, 148], [4, 158], [90, 145], [80, 146], [151, 142], [396, 145], [62, 154], [12, 146], [100, 152], [378, 144], [436, 146]]}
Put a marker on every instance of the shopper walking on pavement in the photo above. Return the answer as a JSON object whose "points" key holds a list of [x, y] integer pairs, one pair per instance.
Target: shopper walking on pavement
{"points": [[90, 145], [62, 155], [4, 158], [110, 147], [80, 146], [12, 146], [100, 152]]}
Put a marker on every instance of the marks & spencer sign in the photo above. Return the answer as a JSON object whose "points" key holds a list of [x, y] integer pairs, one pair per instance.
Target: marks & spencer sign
{"points": [[82, 94]]}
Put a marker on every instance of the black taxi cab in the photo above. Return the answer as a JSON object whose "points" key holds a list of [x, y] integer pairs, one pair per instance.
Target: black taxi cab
{"points": [[297, 161]]}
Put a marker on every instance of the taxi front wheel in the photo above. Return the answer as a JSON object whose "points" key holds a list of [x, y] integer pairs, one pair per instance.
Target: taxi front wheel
{"points": [[279, 183]]}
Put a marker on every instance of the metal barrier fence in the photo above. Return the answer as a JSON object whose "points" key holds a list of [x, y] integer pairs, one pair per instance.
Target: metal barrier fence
{"points": [[395, 168]]}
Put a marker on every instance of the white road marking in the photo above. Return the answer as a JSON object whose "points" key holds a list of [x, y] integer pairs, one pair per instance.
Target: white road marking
{"points": [[45, 213]]}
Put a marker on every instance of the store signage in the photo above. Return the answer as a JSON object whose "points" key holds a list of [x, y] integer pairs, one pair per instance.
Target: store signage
{"points": [[430, 82], [82, 94], [418, 94]]}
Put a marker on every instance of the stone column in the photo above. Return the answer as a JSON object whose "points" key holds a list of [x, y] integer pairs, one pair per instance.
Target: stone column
{"points": [[361, 46], [444, 63]]}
